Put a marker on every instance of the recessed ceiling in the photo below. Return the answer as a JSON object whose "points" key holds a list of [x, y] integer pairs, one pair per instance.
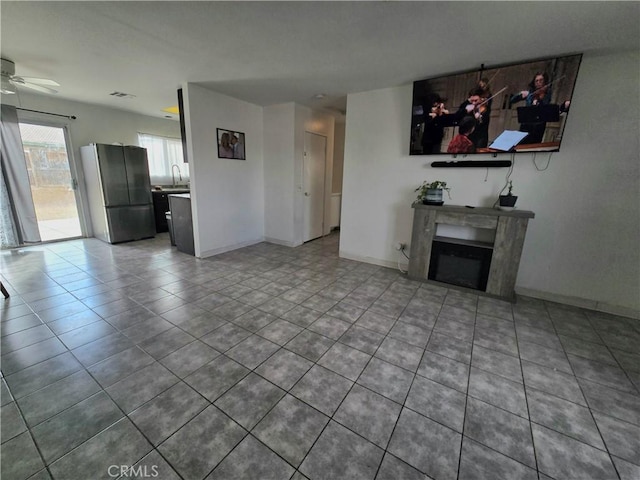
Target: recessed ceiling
{"points": [[274, 52]]}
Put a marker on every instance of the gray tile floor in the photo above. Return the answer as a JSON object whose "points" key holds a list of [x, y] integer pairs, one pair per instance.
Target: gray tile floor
{"points": [[273, 362]]}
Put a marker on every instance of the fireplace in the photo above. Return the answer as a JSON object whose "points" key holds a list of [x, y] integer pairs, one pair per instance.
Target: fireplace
{"points": [[468, 266], [460, 262]]}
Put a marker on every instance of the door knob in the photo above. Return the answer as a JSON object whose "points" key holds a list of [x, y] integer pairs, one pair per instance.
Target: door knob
{"points": [[306, 194]]}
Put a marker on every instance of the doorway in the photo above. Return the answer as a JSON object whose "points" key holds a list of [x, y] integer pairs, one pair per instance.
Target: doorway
{"points": [[314, 167], [53, 186]]}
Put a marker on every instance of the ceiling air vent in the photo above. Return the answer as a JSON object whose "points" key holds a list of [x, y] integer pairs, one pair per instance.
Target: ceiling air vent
{"points": [[122, 95]]}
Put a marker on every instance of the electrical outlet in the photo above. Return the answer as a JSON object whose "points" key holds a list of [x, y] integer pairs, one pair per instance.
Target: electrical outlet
{"points": [[400, 246]]}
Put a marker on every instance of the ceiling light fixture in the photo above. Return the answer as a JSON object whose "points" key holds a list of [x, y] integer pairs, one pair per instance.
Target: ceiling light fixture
{"points": [[175, 110], [320, 96]]}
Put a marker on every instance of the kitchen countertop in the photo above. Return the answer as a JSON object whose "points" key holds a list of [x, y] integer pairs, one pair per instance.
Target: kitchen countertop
{"points": [[171, 190]]}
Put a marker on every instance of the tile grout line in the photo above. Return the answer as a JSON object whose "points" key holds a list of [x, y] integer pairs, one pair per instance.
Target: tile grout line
{"points": [[466, 397], [526, 400], [338, 407], [593, 418], [326, 266]]}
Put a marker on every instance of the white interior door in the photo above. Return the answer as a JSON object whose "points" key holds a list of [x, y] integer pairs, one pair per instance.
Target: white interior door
{"points": [[315, 155]]}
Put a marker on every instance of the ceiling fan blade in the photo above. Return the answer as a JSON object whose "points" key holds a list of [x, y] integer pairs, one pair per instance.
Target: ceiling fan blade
{"points": [[41, 81], [19, 82], [6, 87]]}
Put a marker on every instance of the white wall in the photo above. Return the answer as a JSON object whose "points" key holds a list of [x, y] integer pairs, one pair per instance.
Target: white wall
{"points": [[279, 167], [95, 123], [227, 196], [582, 246], [338, 156]]}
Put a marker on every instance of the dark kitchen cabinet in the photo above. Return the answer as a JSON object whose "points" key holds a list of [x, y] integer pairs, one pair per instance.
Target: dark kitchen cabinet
{"points": [[161, 206], [182, 223]]}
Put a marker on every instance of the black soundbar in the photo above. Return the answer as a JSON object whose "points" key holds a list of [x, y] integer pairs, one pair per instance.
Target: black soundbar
{"points": [[472, 163]]}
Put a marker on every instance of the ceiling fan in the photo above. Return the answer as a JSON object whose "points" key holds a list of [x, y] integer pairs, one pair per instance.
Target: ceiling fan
{"points": [[10, 80]]}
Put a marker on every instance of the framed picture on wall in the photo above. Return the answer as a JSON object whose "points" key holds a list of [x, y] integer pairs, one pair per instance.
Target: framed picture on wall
{"points": [[230, 144]]}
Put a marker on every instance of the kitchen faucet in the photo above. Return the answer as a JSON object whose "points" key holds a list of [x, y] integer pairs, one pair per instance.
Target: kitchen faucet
{"points": [[173, 173]]}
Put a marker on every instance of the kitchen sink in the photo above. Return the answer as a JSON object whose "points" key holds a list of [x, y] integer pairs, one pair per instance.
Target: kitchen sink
{"points": [[171, 188]]}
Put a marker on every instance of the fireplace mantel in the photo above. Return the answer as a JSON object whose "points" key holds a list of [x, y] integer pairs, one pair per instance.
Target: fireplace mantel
{"points": [[509, 227]]}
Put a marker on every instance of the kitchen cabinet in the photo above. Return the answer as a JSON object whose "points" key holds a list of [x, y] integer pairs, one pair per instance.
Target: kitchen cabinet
{"points": [[161, 206], [182, 221]]}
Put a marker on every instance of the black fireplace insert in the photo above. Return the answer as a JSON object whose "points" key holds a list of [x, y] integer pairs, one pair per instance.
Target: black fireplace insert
{"points": [[460, 262]]}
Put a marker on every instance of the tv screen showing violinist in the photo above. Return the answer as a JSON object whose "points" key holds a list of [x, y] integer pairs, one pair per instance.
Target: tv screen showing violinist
{"points": [[532, 97]]}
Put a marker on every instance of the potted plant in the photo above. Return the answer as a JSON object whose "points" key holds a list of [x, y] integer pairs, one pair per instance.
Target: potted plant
{"points": [[508, 201], [430, 193]]}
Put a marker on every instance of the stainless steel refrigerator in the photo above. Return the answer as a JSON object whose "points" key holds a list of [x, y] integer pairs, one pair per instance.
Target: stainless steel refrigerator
{"points": [[119, 191]]}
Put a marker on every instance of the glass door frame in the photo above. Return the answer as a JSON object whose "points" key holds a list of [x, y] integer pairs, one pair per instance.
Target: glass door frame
{"points": [[75, 168]]}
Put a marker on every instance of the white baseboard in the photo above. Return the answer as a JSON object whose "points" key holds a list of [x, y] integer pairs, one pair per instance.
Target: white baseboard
{"points": [[285, 243], [529, 292], [218, 251], [373, 261], [580, 302], [617, 310], [554, 297]]}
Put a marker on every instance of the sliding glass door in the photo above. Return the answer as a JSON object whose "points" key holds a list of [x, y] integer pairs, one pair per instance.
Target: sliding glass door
{"points": [[53, 187]]}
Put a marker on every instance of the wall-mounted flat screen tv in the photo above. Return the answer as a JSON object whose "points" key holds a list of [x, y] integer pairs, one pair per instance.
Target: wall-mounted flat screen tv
{"points": [[521, 107]]}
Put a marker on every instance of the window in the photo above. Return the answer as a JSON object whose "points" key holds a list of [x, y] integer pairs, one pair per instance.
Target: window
{"points": [[163, 154]]}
